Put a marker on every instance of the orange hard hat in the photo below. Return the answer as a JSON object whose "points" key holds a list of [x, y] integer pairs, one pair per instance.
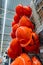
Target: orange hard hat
{"points": [[35, 61], [23, 10], [34, 44], [24, 33], [15, 48], [23, 59], [13, 54], [32, 48], [12, 34], [15, 27], [10, 53], [14, 44], [36, 36], [25, 43], [27, 11], [25, 21], [36, 39], [19, 10], [16, 18]]}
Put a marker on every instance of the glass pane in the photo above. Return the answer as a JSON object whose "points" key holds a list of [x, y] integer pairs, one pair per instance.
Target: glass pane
{"points": [[1, 13], [8, 22], [9, 15], [1, 21], [7, 29], [3, 3], [0, 37], [5, 45], [7, 38], [0, 31], [0, 3]]}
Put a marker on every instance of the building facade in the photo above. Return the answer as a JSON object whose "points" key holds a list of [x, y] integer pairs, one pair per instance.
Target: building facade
{"points": [[37, 19], [37, 15], [39, 9]]}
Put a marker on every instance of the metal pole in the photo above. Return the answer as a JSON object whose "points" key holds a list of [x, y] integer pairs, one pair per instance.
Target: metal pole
{"points": [[9, 61], [3, 25]]}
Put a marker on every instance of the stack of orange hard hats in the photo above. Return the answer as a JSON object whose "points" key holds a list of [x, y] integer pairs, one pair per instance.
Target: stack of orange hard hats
{"points": [[23, 36]]}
